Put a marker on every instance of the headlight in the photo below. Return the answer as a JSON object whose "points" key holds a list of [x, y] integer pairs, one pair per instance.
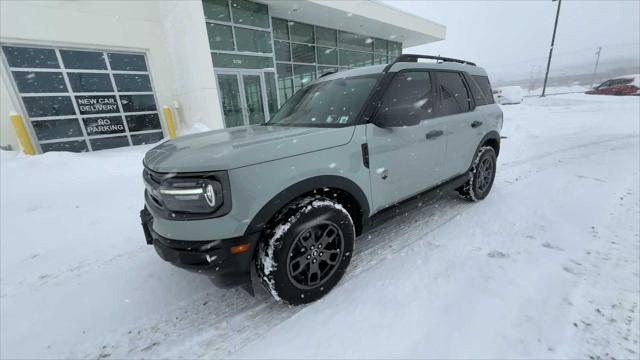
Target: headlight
{"points": [[199, 196]]}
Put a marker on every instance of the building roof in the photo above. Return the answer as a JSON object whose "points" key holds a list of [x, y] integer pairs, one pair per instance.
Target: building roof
{"points": [[365, 17]]}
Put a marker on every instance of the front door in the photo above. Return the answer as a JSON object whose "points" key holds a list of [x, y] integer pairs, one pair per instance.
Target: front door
{"points": [[405, 161], [243, 97]]}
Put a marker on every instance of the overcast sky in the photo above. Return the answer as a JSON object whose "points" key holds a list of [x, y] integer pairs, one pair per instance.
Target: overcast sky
{"points": [[515, 35]]}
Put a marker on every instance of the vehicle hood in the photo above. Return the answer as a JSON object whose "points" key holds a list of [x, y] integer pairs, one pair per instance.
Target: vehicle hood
{"points": [[241, 146]]}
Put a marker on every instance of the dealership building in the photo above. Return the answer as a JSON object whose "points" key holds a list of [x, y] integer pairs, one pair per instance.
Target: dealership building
{"points": [[93, 75]]}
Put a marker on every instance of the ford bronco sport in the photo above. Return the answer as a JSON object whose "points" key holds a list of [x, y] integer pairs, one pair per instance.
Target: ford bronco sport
{"points": [[291, 195]]}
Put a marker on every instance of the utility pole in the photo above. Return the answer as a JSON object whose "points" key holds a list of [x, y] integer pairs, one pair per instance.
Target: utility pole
{"points": [[595, 69], [553, 40]]}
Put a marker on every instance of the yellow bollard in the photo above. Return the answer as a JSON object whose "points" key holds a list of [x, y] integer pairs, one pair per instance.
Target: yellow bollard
{"points": [[168, 116], [23, 135]]}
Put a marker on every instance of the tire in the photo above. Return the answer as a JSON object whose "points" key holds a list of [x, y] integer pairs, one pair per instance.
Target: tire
{"points": [[481, 176], [306, 251]]}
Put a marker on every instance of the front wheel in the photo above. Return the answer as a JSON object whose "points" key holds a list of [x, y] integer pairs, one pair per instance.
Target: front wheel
{"points": [[307, 250], [481, 176]]}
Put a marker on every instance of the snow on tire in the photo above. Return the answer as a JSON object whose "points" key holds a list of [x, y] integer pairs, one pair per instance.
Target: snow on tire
{"points": [[481, 176], [306, 251]]}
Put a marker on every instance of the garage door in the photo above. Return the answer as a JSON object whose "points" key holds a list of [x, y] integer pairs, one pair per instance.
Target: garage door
{"points": [[84, 100]]}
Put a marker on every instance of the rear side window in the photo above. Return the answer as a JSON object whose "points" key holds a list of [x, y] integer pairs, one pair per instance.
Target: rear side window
{"points": [[454, 95], [410, 95], [481, 89]]}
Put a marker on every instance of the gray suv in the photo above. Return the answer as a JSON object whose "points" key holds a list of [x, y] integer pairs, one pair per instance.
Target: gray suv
{"points": [[291, 195]]}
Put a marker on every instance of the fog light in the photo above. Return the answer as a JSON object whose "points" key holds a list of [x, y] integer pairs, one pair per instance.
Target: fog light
{"points": [[240, 248]]}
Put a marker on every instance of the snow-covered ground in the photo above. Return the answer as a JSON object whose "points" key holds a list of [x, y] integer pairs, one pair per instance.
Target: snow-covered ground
{"points": [[546, 267]]}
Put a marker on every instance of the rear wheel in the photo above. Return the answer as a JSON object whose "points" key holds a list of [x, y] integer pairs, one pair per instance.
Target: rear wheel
{"points": [[481, 176], [306, 251]]}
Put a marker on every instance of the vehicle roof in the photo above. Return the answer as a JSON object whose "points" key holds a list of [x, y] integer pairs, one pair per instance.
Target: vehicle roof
{"points": [[376, 69]]}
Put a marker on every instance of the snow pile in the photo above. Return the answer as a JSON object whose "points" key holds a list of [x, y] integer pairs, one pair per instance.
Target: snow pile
{"points": [[545, 267]]}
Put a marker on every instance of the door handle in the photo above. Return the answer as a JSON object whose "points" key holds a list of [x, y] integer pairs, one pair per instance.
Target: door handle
{"points": [[434, 134], [476, 123]]}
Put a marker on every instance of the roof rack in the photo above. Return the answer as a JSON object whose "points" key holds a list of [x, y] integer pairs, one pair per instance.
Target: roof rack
{"points": [[415, 57]]}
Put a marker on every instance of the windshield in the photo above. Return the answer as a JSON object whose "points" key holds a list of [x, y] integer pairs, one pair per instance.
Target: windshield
{"points": [[327, 104]]}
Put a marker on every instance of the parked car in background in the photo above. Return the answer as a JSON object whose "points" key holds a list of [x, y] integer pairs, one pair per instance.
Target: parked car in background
{"points": [[340, 156], [623, 85], [508, 95]]}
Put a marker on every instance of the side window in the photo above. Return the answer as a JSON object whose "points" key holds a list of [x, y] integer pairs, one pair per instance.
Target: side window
{"points": [[410, 94], [481, 89], [454, 96]]}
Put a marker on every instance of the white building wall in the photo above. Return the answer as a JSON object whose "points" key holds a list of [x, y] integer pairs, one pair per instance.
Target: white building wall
{"points": [[194, 87]]}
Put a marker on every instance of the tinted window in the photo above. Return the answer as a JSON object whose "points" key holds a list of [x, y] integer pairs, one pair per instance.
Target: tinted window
{"points": [[135, 103], [57, 129], [23, 57], [301, 33], [283, 51], [410, 95], [132, 82], [143, 122], [220, 37], [280, 29], [216, 10], [39, 82], [481, 89], [127, 62], [147, 138], [85, 60], [73, 146], [454, 97], [327, 56], [250, 13], [326, 37], [40, 106], [355, 41], [303, 53], [90, 82], [253, 40], [109, 142]]}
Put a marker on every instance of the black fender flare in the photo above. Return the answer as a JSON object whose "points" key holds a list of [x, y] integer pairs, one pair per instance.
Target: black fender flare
{"points": [[305, 186], [491, 135]]}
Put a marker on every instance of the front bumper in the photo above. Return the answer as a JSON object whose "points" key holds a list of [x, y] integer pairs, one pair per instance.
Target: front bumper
{"points": [[213, 258]]}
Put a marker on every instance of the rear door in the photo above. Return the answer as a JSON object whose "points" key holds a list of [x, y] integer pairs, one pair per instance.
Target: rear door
{"points": [[463, 125], [405, 160]]}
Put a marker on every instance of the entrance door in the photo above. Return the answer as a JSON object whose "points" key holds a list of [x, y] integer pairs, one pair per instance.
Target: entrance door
{"points": [[243, 97]]}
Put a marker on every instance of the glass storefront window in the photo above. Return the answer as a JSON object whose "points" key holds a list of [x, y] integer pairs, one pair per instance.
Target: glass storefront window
{"points": [[253, 40], [300, 32], [89, 82], [355, 41], [250, 13], [303, 53], [28, 57], [217, 10], [280, 29], [83, 60], [220, 37], [355, 58], [326, 37], [303, 75], [283, 51], [39, 82], [380, 46], [327, 56]]}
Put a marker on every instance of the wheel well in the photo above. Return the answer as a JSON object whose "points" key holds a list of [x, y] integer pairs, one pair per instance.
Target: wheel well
{"points": [[342, 197], [494, 143]]}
